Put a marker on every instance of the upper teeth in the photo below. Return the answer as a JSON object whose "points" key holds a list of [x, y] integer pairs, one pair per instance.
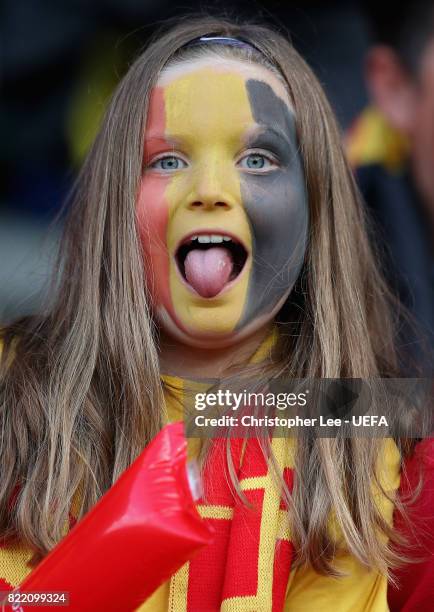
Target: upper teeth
{"points": [[204, 238]]}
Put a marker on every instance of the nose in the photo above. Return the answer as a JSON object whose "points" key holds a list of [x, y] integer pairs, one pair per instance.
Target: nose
{"points": [[208, 203], [211, 188]]}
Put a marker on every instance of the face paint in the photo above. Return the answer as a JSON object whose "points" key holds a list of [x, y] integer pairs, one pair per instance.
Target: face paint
{"points": [[206, 137], [276, 204]]}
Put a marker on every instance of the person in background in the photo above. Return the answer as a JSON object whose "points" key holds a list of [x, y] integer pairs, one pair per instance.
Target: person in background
{"points": [[391, 147]]}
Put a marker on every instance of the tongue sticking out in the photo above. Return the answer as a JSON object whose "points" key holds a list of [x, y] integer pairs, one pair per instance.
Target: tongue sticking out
{"points": [[208, 271]]}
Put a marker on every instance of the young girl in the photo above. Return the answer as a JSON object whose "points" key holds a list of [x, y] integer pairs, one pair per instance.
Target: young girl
{"points": [[215, 226]]}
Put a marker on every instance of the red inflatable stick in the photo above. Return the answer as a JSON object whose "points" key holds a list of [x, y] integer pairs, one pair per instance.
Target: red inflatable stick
{"points": [[143, 530]]}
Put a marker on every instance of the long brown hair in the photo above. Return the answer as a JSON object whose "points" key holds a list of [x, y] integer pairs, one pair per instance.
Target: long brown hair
{"points": [[81, 393]]}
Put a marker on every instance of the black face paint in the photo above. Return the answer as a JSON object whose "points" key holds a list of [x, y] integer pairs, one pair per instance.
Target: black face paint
{"points": [[276, 205]]}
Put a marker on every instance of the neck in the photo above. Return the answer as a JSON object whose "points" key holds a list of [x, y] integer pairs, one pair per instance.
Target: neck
{"points": [[178, 359]]}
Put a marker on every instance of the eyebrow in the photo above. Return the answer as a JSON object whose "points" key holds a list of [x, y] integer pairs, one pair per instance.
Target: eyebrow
{"points": [[272, 132], [160, 139]]}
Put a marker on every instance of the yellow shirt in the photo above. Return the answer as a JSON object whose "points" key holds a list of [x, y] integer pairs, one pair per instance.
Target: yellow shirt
{"points": [[362, 590]]}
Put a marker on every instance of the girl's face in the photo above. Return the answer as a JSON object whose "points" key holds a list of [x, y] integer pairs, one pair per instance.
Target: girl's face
{"points": [[222, 207]]}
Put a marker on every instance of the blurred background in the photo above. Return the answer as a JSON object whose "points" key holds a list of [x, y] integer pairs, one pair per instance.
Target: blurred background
{"points": [[61, 60]]}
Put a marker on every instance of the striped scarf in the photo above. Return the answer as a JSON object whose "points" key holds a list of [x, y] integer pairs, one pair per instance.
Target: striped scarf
{"points": [[247, 566]]}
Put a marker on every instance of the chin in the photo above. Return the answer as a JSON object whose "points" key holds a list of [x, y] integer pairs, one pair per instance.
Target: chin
{"points": [[214, 339]]}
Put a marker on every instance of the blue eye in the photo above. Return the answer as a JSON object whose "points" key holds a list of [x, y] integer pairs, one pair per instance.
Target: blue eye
{"points": [[169, 163], [256, 161]]}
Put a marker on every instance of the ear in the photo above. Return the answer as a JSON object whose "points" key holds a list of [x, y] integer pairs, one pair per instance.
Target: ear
{"points": [[392, 87]]}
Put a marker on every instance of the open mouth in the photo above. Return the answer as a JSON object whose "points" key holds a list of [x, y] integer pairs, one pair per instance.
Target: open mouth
{"points": [[209, 262]]}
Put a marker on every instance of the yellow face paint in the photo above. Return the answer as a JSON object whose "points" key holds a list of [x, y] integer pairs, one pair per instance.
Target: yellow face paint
{"points": [[208, 112]]}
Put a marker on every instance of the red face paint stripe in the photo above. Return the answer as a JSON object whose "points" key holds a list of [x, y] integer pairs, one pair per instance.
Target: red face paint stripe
{"points": [[152, 215]]}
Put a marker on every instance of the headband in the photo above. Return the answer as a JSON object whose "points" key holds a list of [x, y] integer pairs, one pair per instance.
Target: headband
{"points": [[214, 39], [228, 41]]}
